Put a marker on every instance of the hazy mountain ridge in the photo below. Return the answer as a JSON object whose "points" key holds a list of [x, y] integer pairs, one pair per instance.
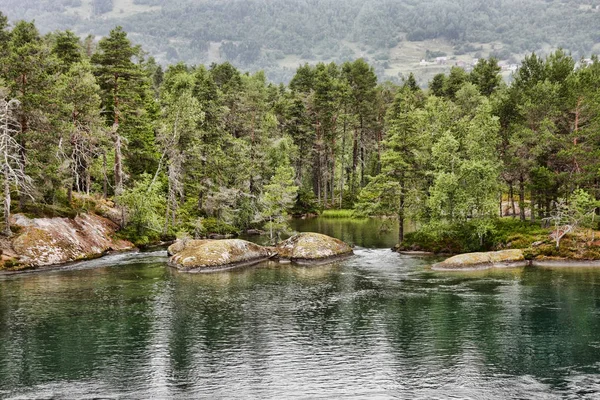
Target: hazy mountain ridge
{"points": [[277, 35]]}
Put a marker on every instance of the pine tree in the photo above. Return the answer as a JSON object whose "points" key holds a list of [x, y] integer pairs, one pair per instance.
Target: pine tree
{"points": [[128, 105]]}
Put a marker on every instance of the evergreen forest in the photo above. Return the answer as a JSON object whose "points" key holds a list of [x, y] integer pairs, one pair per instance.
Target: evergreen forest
{"points": [[194, 149]]}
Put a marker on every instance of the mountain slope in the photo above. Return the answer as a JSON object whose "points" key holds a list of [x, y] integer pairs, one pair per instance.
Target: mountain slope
{"points": [[277, 35]]}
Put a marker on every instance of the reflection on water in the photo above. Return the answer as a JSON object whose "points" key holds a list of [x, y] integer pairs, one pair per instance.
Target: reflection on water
{"points": [[379, 325], [367, 232]]}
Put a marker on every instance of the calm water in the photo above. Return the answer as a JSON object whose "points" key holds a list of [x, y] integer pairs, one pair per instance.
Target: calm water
{"points": [[378, 325]]}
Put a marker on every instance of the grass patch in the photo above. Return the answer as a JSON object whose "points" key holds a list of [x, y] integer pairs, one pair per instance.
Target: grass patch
{"points": [[340, 214]]}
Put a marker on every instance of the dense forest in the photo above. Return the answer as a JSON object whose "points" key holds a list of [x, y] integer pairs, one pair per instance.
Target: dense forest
{"points": [[196, 150], [277, 35]]}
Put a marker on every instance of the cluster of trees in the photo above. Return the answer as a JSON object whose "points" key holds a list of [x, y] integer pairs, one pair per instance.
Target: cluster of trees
{"points": [[451, 153], [256, 34], [201, 149]]}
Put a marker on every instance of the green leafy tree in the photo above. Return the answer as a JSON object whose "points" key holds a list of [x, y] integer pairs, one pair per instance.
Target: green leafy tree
{"points": [[277, 197], [143, 210], [399, 185]]}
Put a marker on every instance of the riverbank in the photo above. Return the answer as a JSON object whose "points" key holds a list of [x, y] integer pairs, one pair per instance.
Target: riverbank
{"points": [[45, 242], [537, 244]]}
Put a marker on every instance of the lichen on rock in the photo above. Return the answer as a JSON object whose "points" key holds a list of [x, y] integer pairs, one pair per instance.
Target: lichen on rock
{"points": [[207, 255], [309, 246], [48, 241], [494, 259]]}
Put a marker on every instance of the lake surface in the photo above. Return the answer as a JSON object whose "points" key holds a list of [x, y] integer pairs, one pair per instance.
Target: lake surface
{"points": [[378, 325]]}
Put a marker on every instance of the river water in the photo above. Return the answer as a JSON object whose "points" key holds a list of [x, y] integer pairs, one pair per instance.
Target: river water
{"points": [[378, 325]]}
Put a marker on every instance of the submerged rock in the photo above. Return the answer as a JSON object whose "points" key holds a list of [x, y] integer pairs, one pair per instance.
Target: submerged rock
{"points": [[206, 255], [308, 246], [494, 259], [48, 241]]}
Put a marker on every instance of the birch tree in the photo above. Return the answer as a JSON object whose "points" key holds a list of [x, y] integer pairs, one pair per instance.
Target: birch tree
{"points": [[13, 169]]}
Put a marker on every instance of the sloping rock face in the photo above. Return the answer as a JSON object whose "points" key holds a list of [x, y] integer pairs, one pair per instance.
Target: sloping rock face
{"points": [[48, 241], [207, 255], [308, 246], [495, 259]]}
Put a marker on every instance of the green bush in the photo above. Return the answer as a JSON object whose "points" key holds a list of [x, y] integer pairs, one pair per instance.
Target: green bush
{"points": [[206, 226], [470, 237]]}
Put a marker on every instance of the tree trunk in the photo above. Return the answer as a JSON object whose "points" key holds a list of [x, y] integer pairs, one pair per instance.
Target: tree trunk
{"points": [[343, 165], [401, 211], [117, 140], [332, 185], [522, 198], [362, 154], [354, 163], [533, 199], [118, 165], [167, 209], [105, 183], [512, 199], [7, 231]]}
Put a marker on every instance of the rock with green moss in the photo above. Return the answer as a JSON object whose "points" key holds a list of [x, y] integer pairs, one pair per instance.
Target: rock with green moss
{"points": [[48, 241], [312, 247], [211, 255], [494, 259]]}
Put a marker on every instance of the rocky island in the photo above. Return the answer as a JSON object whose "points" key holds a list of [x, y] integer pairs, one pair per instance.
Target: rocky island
{"points": [[216, 255]]}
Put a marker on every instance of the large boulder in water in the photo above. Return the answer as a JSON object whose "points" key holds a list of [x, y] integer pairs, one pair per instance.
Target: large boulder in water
{"points": [[210, 255], [308, 247], [493, 259], [48, 241]]}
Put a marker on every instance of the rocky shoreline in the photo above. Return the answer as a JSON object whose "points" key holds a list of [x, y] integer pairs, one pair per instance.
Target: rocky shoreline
{"points": [[506, 259], [44, 242]]}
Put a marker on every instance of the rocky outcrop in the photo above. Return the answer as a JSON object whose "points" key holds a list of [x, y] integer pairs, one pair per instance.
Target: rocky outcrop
{"points": [[311, 247], [210, 255], [561, 263], [48, 241], [495, 259]]}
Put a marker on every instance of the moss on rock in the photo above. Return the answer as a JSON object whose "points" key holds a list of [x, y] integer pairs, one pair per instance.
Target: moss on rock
{"points": [[48, 241], [494, 259], [310, 246], [203, 255]]}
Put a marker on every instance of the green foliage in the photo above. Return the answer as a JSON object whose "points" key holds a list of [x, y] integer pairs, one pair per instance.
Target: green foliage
{"points": [[143, 211], [306, 203], [277, 197], [206, 226], [471, 236]]}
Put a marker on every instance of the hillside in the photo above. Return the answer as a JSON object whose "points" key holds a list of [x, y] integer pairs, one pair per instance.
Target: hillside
{"points": [[279, 35]]}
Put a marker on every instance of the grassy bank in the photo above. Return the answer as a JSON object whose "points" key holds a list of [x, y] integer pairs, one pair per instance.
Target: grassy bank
{"points": [[466, 237], [506, 233]]}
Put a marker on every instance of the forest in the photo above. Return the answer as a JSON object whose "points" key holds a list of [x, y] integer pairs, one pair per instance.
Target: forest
{"points": [[194, 150], [272, 35]]}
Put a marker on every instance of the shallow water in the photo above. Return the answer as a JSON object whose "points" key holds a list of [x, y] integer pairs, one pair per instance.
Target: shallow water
{"points": [[378, 325]]}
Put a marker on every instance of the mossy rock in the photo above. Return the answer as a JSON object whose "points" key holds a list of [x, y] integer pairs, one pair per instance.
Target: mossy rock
{"points": [[210, 255], [310, 247], [494, 259], [50, 241]]}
